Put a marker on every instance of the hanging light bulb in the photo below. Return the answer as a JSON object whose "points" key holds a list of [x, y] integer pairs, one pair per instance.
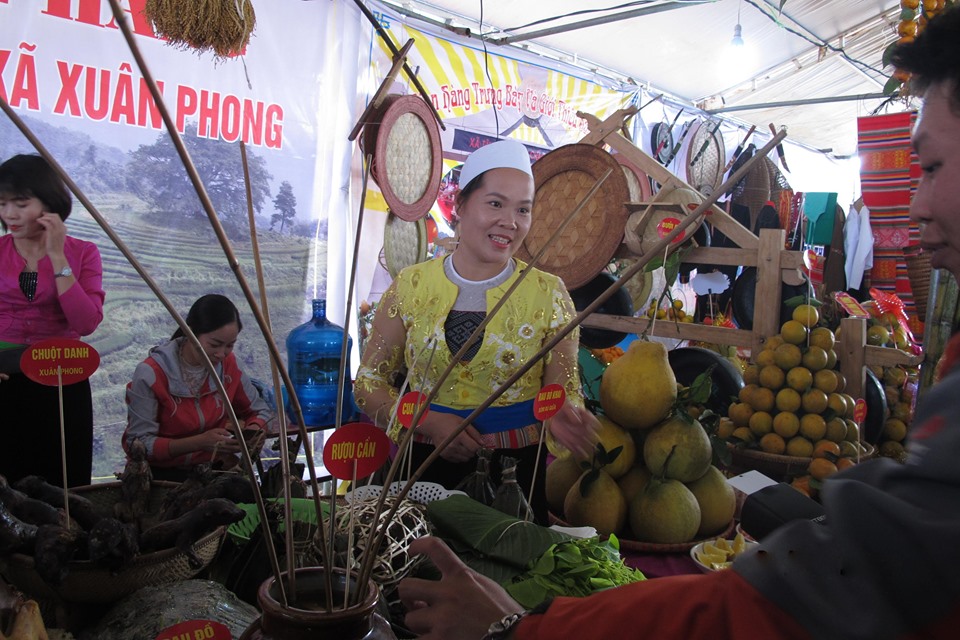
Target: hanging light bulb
{"points": [[737, 40]]}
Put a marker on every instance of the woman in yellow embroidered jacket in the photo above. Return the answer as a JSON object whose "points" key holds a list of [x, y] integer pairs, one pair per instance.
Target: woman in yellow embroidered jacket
{"points": [[442, 301]]}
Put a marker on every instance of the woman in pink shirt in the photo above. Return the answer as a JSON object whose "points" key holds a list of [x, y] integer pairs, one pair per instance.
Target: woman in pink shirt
{"points": [[50, 287]]}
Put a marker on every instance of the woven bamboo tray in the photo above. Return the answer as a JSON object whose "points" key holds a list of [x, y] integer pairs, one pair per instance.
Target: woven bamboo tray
{"points": [[778, 467], [404, 139], [90, 583], [705, 158], [563, 177]]}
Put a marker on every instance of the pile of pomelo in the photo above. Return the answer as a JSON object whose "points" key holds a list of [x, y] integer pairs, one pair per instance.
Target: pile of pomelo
{"points": [[650, 478]]}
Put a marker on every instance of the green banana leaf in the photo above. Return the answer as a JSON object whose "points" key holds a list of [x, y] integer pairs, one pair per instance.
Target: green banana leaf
{"points": [[492, 543]]}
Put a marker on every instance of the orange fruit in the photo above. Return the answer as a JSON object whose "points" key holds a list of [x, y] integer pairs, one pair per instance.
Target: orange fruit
{"points": [[765, 358], [772, 443], [761, 423], [793, 332], [836, 430], [821, 468], [825, 380], [786, 424], [744, 434], [822, 448], [788, 400], [746, 393], [841, 381], [892, 449], [725, 428], [831, 359], [802, 484], [799, 378], [751, 374], [772, 377], [814, 401], [763, 399], [822, 337], [815, 359], [799, 446], [853, 431], [740, 413], [772, 342], [894, 429], [845, 463], [837, 403], [787, 356], [849, 450], [807, 314], [878, 335], [813, 427], [851, 404]]}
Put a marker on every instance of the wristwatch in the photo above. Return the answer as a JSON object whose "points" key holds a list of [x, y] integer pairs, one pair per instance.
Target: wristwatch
{"points": [[501, 629], [66, 272]]}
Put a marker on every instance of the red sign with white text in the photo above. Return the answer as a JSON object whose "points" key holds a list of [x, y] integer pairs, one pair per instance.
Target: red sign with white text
{"points": [[860, 411], [549, 401], [196, 630], [59, 361], [356, 444], [409, 403], [666, 226]]}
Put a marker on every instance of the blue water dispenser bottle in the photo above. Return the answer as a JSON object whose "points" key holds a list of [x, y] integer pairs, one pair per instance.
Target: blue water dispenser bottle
{"points": [[313, 361]]}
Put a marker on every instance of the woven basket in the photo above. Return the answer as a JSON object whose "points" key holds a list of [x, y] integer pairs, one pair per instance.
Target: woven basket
{"points": [[705, 157], [90, 583], [404, 243], [404, 139], [918, 271], [563, 177], [777, 467]]}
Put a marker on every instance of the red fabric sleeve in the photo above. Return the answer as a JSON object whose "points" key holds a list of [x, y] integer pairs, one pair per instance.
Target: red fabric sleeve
{"points": [[717, 606]]}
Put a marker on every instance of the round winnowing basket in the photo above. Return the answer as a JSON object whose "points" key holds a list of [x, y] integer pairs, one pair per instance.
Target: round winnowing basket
{"points": [[404, 139], [404, 243], [637, 180], [644, 230], [563, 177], [705, 157], [89, 583]]}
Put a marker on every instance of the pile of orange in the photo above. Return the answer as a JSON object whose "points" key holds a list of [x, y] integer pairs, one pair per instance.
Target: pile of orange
{"points": [[792, 402]]}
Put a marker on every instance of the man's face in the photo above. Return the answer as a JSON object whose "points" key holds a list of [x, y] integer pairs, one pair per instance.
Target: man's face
{"points": [[936, 204]]}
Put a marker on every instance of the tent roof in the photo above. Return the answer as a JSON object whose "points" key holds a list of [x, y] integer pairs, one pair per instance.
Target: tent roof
{"points": [[812, 49]]}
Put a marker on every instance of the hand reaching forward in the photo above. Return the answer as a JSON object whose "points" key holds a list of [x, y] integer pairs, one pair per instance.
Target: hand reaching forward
{"points": [[461, 605]]}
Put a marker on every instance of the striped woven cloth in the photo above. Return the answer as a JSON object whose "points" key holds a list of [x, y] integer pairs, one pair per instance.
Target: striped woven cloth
{"points": [[889, 174]]}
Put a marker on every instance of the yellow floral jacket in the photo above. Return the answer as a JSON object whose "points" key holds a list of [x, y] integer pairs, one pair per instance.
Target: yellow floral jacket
{"points": [[423, 296]]}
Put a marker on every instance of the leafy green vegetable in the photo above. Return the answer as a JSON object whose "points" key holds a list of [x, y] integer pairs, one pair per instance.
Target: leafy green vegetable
{"points": [[491, 542], [576, 567]]}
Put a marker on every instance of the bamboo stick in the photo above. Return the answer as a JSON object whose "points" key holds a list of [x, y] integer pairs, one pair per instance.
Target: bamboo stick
{"points": [[275, 376]]}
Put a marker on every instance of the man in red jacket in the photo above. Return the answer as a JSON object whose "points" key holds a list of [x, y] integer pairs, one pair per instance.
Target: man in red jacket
{"points": [[886, 561]]}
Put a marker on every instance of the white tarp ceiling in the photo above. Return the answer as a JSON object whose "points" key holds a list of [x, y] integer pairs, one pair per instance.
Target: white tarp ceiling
{"points": [[806, 50]]}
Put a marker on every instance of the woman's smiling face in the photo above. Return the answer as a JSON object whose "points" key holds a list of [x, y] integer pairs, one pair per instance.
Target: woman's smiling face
{"points": [[494, 220]]}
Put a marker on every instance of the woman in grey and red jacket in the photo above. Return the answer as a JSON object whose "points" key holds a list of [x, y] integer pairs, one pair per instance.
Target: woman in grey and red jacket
{"points": [[174, 406]]}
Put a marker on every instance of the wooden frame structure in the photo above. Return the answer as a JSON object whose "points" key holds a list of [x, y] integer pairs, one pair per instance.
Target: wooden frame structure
{"points": [[766, 253]]}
